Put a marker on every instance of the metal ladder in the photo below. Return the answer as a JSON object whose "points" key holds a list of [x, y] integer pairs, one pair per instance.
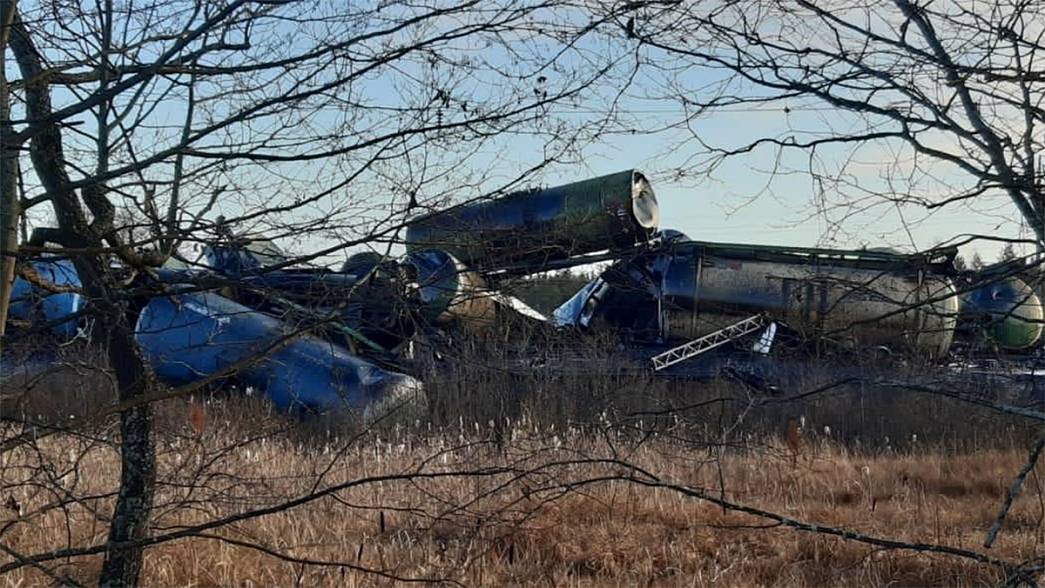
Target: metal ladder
{"points": [[708, 342]]}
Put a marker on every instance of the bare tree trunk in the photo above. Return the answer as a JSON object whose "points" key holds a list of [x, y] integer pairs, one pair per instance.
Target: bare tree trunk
{"points": [[9, 205], [123, 558], [130, 520], [137, 454]]}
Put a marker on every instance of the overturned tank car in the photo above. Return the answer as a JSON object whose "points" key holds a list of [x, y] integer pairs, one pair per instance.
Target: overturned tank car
{"points": [[531, 228], [1005, 312], [312, 340], [689, 289], [192, 336]]}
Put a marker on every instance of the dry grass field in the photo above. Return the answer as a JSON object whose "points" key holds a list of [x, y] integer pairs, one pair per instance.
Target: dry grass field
{"points": [[528, 506]]}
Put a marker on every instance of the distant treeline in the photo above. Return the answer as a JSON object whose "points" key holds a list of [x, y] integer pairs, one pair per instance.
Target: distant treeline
{"points": [[545, 292]]}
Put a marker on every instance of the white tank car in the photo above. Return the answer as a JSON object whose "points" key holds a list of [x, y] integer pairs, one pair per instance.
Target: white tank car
{"points": [[852, 297]]}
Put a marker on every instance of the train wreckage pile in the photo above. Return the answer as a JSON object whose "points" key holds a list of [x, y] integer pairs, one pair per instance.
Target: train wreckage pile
{"points": [[326, 340]]}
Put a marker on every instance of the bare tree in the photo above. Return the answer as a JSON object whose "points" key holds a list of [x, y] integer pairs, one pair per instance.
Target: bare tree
{"points": [[946, 96]]}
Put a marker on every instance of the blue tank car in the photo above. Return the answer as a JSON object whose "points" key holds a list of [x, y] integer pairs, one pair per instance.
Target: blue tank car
{"points": [[189, 337], [61, 309]]}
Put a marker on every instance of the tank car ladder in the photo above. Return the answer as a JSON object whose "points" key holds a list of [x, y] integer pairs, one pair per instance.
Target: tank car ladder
{"points": [[708, 342]]}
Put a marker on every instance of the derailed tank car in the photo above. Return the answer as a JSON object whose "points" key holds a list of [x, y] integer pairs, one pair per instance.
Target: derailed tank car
{"points": [[310, 339], [446, 290], [855, 298], [57, 308], [615, 211], [190, 336], [689, 289], [1005, 312]]}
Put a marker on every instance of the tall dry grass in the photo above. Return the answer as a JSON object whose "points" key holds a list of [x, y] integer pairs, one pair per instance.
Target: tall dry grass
{"points": [[521, 480], [533, 523]]}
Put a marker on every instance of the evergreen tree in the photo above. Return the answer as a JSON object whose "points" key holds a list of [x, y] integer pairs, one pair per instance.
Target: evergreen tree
{"points": [[977, 262]]}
